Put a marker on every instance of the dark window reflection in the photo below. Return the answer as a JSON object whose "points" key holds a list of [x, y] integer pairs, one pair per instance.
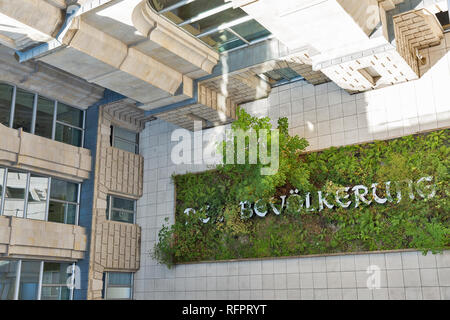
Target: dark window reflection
{"points": [[29, 280], [54, 281], [23, 112], [63, 190], [37, 197], [15, 194], [68, 135], [44, 118], [62, 212], [8, 271], [125, 140], [6, 93], [70, 115]]}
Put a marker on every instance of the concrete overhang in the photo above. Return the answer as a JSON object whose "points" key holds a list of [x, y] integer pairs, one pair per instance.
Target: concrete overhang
{"points": [[321, 25], [124, 46], [48, 81], [34, 239]]}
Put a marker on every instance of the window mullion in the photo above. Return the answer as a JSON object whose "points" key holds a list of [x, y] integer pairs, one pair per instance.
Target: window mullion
{"points": [[77, 214], [110, 207], [66, 208], [13, 107], [55, 109], [134, 213], [41, 276], [84, 126], [2, 204], [72, 288], [132, 286], [27, 190], [17, 284], [106, 285], [48, 197], [63, 201], [33, 117], [68, 125]]}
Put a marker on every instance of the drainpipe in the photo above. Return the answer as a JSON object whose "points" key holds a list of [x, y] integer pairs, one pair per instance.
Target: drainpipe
{"points": [[23, 56]]}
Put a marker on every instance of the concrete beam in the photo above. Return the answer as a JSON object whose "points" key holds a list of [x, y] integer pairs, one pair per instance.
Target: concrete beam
{"points": [[167, 35], [47, 80]]}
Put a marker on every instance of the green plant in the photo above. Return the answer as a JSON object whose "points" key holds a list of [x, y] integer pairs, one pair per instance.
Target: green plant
{"points": [[418, 223]]}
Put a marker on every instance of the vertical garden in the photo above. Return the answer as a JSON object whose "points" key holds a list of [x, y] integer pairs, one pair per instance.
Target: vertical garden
{"points": [[315, 203]]}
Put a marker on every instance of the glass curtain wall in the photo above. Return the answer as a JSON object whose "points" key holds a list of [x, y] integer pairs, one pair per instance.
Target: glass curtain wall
{"points": [[125, 139], [48, 199], [14, 195], [36, 280], [118, 286], [63, 202], [41, 116], [120, 209], [6, 96], [54, 283], [215, 22], [69, 125], [8, 277]]}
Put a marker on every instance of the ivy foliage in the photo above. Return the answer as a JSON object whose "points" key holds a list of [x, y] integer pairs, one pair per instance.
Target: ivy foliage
{"points": [[419, 223]]}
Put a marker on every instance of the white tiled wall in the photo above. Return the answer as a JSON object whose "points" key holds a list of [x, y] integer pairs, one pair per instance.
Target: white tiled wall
{"points": [[326, 116]]}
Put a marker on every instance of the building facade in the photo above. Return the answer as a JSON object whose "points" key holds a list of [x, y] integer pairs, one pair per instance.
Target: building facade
{"points": [[89, 97]]}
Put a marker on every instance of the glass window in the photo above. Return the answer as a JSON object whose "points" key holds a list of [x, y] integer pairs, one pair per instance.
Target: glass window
{"points": [[251, 30], [62, 212], [59, 205], [44, 117], [69, 115], [224, 40], [118, 285], [63, 202], [125, 145], [121, 210], [51, 277], [55, 293], [15, 193], [6, 94], [8, 273], [54, 281], [69, 120], [281, 76], [29, 280], [444, 19], [68, 135], [69, 125], [125, 140], [23, 111], [63, 190], [219, 19], [204, 19], [37, 197]]}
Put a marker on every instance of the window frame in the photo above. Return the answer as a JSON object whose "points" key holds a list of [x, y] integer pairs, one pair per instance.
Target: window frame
{"points": [[35, 109], [56, 285], [41, 272], [113, 139], [241, 40], [106, 285], [5, 187], [284, 79], [27, 186], [109, 200]]}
